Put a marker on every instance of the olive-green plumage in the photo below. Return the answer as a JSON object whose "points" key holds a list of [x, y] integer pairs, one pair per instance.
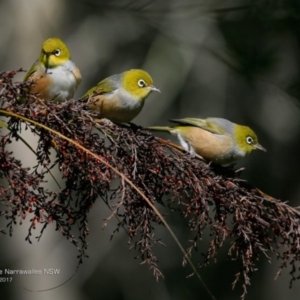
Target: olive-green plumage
{"points": [[120, 97], [215, 139]]}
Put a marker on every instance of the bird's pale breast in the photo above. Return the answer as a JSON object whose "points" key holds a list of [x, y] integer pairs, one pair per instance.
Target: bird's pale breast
{"points": [[116, 106], [58, 83], [215, 147]]}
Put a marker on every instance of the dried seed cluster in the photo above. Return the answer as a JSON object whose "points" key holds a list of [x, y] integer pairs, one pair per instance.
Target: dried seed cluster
{"points": [[209, 198]]}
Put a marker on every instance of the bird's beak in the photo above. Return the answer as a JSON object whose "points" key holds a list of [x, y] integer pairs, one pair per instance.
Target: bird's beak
{"points": [[153, 88], [47, 55], [260, 147]]}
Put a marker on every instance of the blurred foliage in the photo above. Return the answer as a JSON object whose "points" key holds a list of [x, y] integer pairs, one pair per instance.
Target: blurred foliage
{"points": [[233, 59]]}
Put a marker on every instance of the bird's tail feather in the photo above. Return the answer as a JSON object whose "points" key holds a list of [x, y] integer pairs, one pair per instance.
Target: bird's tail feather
{"points": [[159, 128]]}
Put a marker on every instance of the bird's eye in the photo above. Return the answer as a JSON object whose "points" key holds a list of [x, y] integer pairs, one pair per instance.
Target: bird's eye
{"points": [[142, 83], [249, 140], [57, 52]]}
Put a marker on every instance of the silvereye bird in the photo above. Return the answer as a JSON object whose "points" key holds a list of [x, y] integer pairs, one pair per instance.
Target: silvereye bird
{"points": [[55, 76], [121, 97], [215, 139]]}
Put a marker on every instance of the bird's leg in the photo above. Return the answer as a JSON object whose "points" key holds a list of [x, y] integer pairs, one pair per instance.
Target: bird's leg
{"points": [[135, 127]]}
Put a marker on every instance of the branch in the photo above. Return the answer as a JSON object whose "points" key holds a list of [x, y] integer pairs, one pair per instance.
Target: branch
{"points": [[147, 172]]}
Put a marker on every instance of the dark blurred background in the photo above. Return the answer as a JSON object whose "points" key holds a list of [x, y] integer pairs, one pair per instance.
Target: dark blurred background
{"points": [[234, 59]]}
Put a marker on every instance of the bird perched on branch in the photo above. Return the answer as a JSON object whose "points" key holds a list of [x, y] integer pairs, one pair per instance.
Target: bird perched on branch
{"points": [[215, 139], [120, 97], [54, 75]]}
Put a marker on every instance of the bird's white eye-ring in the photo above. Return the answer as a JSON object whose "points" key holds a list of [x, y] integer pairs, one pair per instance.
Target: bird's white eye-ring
{"points": [[142, 83], [57, 52], [249, 140]]}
